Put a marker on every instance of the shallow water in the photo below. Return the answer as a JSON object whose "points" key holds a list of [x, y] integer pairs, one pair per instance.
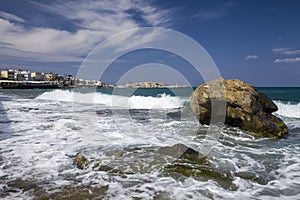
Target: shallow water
{"points": [[41, 132]]}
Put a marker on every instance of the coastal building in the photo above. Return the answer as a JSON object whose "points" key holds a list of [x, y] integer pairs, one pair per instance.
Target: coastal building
{"points": [[50, 76], [8, 74], [16, 75], [23, 79], [22, 75], [54, 77], [145, 85], [88, 83], [37, 76]]}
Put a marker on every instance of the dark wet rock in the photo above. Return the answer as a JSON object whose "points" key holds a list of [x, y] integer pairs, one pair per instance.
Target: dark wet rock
{"points": [[244, 107], [174, 115], [202, 172], [25, 185], [78, 193], [38, 190], [82, 162], [191, 163], [136, 158], [260, 179], [176, 161], [180, 151]]}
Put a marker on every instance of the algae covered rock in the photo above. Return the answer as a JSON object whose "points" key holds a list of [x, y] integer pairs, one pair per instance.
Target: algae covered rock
{"points": [[138, 160], [246, 108], [81, 161], [180, 151], [190, 163], [176, 161]]}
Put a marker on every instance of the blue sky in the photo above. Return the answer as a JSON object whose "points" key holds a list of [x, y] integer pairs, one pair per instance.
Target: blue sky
{"points": [[255, 41]]}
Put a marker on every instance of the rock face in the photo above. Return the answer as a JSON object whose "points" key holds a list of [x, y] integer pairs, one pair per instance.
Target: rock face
{"points": [[246, 108]]}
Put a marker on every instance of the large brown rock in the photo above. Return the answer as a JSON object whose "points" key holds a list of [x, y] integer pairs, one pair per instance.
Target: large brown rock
{"points": [[243, 106]]}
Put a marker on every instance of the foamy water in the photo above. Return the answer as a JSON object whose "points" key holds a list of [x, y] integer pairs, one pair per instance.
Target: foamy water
{"points": [[291, 110], [136, 102], [40, 136]]}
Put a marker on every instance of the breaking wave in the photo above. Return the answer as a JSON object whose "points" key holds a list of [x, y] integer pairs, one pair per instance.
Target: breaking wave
{"points": [[288, 109], [135, 102]]}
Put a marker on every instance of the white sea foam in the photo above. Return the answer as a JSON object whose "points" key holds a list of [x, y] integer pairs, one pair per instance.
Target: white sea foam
{"points": [[288, 109], [136, 102], [46, 134]]}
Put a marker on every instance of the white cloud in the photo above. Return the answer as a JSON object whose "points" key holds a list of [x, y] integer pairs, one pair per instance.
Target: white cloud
{"points": [[155, 17], [94, 14], [286, 51], [11, 17], [96, 21], [17, 55], [287, 60], [249, 57]]}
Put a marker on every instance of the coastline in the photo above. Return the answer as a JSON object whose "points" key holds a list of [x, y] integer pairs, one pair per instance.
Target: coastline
{"points": [[9, 84], [13, 84]]}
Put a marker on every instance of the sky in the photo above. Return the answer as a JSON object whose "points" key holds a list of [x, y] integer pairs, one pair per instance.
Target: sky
{"points": [[255, 41]]}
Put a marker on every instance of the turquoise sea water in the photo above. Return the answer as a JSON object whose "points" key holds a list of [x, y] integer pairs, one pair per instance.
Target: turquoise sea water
{"points": [[275, 93], [287, 94], [42, 130]]}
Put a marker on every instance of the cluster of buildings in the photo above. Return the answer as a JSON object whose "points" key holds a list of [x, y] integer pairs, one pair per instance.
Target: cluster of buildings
{"points": [[143, 85], [149, 85], [25, 75], [13, 78], [24, 79]]}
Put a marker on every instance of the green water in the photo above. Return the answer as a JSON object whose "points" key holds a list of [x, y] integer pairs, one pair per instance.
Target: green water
{"points": [[291, 94]]}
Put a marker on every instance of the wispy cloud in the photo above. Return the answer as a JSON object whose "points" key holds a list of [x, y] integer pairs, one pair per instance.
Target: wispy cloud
{"points": [[211, 14], [94, 14], [96, 21], [251, 57], [214, 13], [287, 60], [11, 17], [286, 51]]}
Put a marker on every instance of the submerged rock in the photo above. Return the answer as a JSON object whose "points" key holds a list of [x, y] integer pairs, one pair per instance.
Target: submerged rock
{"points": [[190, 163], [82, 162], [180, 151], [246, 108], [134, 160], [175, 161]]}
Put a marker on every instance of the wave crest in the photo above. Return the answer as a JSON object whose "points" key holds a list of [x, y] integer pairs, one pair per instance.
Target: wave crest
{"points": [[134, 102], [288, 109]]}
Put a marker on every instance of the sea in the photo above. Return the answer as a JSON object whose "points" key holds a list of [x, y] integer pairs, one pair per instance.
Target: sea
{"points": [[42, 131]]}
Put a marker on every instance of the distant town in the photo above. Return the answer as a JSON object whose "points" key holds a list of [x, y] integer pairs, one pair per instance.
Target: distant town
{"points": [[24, 79]]}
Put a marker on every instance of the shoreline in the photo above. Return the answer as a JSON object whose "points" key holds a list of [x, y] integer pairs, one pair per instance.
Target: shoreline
{"points": [[8, 84], [11, 84]]}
